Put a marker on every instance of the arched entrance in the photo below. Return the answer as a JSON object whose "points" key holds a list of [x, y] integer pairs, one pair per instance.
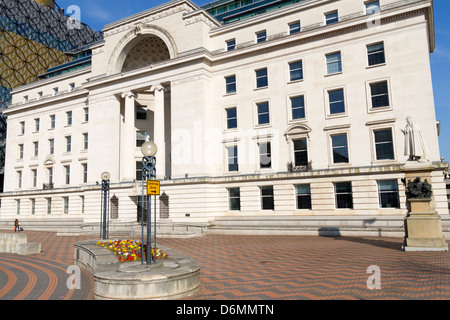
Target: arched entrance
{"points": [[148, 50]]}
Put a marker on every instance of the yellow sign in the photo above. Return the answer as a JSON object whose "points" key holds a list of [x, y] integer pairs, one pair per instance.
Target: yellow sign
{"points": [[153, 187]]}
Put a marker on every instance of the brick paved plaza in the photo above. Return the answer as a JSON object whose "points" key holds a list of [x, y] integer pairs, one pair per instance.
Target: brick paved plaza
{"points": [[254, 268]]}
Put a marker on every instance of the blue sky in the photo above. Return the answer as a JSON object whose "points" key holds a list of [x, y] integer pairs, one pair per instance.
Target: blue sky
{"points": [[98, 13]]}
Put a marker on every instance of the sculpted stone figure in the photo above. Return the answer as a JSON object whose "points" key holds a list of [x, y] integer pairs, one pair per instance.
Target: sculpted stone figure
{"points": [[414, 145], [418, 190]]}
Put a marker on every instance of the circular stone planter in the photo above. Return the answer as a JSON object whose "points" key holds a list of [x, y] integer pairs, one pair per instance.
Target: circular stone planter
{"points": [[176, 277]]}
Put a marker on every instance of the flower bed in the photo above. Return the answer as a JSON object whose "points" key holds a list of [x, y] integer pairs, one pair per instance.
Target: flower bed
{"points": [[130, 250]]}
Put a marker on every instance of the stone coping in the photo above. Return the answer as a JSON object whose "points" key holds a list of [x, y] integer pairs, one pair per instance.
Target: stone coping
{"points": [[176, 277]]}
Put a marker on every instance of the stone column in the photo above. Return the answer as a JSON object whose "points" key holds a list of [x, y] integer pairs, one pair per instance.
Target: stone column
{"points": [[128, 165], [159, 131]]}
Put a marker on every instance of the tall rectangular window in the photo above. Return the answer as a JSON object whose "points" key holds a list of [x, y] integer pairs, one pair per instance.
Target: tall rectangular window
{"points": [[234, 199], [263, 113], [230, 84], [19, 179], [303, 196], [86, 114], [261, 36], [33, 206], [334, 63], [340, 148], [336, 100], [267, 198], [84, 168], [298, 107], [85, 141], [68, 143], [232, 156], [34, 177], [49, 205], [265, 155], [373, 7], [300, 152], [37, 123], [294, 27], [22, 127], [66, 205], [231, 44], [261, 78], [231, 118], [375, 54], [141, 113], [344, 195], [138, 170], [388, 194], [52, 121], [50, 175], [296, 70], [51, 146], [36, 148], [67, 174], [20, 151], [379, 94], [82, 204], [384, 145], [331, 17], [69, 118], [18, 206]]}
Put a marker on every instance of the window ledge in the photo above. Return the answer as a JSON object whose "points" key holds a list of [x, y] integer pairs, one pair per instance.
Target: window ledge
{"points": [[333, 74], [295, 81], [376, 65]]}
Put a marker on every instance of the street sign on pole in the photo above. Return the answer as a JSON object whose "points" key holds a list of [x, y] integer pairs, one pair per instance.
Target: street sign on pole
{"points": [[153, 187]]}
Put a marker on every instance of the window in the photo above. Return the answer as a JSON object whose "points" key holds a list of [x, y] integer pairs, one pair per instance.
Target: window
{"points": [[69, 118], [267, 199], [68, 143], [82, 204], [52, 121], [298, 107], [296, 70], [18, 206], [294, 27], [141, 137], [67, 174], [141, 113], [230, 84], [263, 113], [85, 141], [331, 17], [36, 148], [139, 171], [66, 205], [86, 114], [19, 179], [234, 199], [33, 206], [51, 146], [20, 151], [50, 175], [340, 148], [49, 205], [34, 177], [384, 145], [231, 118], [344, 196], [334, 63], [84, 168], [265, 155], [71, 87], [261, 78], [231, 44], [303, 196], [232, 156], [375, 54], [261, 36], [372, 7], [22, 127], [388, 194], [300, 152], [379, 94], [36, 125], [336, 101]]}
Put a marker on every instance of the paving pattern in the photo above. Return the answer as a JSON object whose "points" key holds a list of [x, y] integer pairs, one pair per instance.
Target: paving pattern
{"points": [[254, 268]]}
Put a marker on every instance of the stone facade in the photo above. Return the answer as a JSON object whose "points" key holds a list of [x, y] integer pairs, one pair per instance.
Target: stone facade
{"points": [[250, 118]]}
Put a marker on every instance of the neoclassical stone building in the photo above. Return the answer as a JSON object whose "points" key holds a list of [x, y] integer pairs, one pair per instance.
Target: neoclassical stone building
{"points": [[294, 111]]}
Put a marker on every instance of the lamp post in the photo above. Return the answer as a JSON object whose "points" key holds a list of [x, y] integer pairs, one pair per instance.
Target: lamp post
{"points": [[148, 149], [105, 196]]}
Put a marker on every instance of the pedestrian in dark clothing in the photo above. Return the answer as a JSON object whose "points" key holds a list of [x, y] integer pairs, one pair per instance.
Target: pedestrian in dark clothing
{"points": [[16, 226]]}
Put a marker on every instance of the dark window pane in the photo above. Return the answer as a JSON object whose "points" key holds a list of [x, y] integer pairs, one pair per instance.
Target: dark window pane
{"points": [[298, 107], [265, 157], [388, 194], [296, 70], [261, 78], [231, 118], [376, 54], [383, 144], [340, 149], [230, 84], [263, 113], [267, 200], [380, 96], [337, 104], [344, 197], [300, 152]]}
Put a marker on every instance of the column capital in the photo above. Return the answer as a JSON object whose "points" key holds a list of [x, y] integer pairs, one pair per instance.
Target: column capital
{"points": [[128, 94], [157, 87]]}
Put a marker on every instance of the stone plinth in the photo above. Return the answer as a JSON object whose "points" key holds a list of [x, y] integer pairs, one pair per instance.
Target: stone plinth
{"points": [[176, 277], [423, 228], [25, 249]]}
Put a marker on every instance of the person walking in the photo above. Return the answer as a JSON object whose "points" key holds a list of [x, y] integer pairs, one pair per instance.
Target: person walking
{"points": [[16, 226]]}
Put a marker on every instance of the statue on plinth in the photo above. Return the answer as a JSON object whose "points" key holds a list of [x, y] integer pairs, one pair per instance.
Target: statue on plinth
{"points": [[418, 190]]}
